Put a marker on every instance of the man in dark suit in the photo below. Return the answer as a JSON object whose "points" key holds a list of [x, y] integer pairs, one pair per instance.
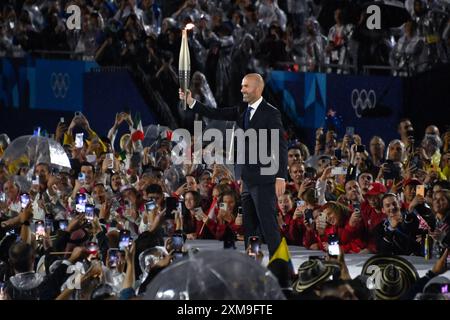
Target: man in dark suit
{"points": [[259, 191]]}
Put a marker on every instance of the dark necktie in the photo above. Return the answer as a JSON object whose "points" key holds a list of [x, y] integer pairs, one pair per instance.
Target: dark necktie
{"points": [[247, 117]]}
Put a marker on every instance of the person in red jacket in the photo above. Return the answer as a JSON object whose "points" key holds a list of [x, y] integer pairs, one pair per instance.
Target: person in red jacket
{"points": [[372, 214], [286, 210], [314, 235], [305, 208], [346, 225], [227, 215], [297, 175]]}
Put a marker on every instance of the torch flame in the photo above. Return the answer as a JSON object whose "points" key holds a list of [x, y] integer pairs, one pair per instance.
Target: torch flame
{"points": [[189, 26]]}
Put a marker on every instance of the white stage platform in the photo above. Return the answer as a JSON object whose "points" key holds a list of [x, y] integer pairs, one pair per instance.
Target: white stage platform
{"points": [[354, 262]]}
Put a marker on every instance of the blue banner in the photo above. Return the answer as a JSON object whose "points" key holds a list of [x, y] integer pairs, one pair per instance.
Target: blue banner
{"points": [[372, 105], [60, 84], [108, 93]]}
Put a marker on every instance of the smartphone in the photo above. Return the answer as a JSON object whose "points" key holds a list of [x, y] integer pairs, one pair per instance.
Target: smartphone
{"points": [[91, 158], [49, 223], [177, 243], [198, 213], [110, 156], [39, 229], [24, 200], [37, 132], [3, 295], [300, 203], [150, 205], [35, 181], [309, 217], [360, 148], [2, 197], [63, 224], [77, 113], [420, 190], [223, 206], [338, 154], [336, 171], [61, 119], [92, 248], [113, 254], [240, 210], [89, 212], [171, 204], [310, 173], [333, 246], [124, 239], [255, 246], [180, 206], [80, 202], [79, 140], [81, 177], [350, 131]]}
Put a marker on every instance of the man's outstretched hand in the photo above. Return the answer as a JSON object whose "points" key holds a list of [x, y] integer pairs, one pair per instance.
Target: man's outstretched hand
{"points": [[189, 100]]}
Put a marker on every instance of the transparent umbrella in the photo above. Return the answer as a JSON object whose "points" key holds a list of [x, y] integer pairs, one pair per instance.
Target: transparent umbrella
{"points": [[213, 275], [152, 133], [31, 150]]}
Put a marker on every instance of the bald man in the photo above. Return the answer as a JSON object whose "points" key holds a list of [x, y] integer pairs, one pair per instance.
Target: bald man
{"points": [[259, 190]]}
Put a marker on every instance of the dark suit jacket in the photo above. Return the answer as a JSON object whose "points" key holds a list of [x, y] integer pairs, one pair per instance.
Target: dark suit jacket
{"points": [[266, 116]]}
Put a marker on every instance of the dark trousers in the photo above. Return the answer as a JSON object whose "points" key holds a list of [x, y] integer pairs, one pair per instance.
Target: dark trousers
{"points": [[259, 208]]}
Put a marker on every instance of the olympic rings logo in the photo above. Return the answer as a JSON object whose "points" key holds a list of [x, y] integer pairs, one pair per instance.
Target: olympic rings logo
{"points": [[60, 83], [362, 100]]}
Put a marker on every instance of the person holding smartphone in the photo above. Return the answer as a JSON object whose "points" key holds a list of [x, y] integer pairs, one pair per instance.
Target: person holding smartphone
{"points": [[227, 216], [347, 225], [196, 223]]}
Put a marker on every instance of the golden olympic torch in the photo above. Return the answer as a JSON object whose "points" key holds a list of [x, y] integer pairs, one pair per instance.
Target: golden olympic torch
{"points": [[184, 64]]}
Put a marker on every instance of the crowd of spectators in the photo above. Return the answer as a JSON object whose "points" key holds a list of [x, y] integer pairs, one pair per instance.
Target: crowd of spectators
{"points": [[391, 198], [230, 36]]}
